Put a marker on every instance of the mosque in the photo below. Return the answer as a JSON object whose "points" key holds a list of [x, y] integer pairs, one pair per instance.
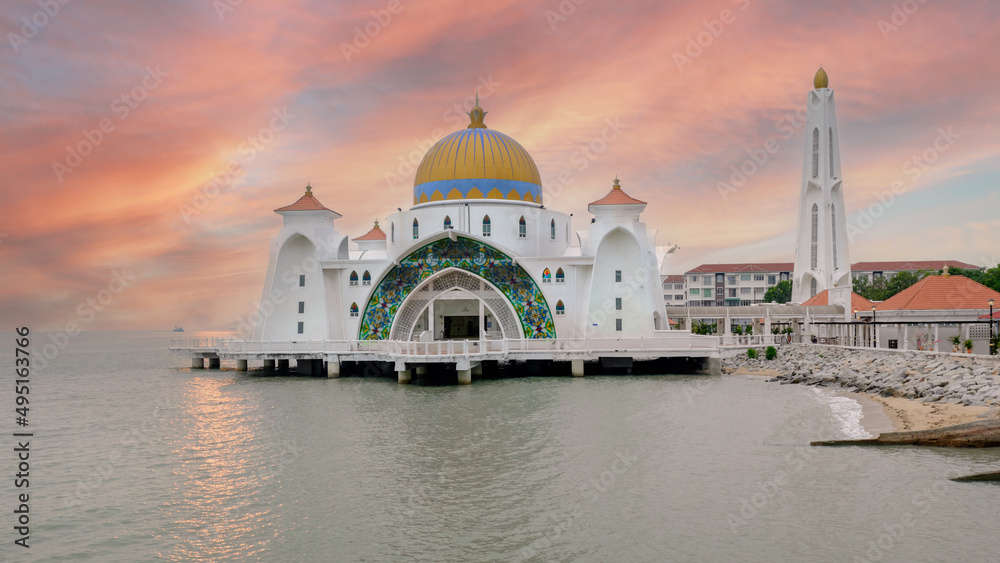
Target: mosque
{"points": [[477, 256], [479, 272]]}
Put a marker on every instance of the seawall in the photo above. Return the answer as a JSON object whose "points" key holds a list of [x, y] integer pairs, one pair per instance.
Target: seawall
{"points": [[927, 377]]}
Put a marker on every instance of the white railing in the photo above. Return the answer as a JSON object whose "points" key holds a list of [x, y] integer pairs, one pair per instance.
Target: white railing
{"points": [[184, 343], [663, 341], [752, 340]]}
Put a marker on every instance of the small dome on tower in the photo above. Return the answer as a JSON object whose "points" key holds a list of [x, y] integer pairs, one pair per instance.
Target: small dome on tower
{"points": [[821, 80]]}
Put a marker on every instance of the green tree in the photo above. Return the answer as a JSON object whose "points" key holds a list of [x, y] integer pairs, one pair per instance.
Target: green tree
{"points": [[780, 293]]}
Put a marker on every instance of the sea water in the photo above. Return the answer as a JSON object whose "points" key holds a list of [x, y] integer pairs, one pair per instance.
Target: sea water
{"points": [[137, 457]]}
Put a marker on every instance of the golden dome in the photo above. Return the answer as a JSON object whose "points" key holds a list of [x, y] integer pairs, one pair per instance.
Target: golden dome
{"points": [[821, 80], [477, 163]]}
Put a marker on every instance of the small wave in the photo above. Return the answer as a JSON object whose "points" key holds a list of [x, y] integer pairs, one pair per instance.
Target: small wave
{"points": [[847, 414]]}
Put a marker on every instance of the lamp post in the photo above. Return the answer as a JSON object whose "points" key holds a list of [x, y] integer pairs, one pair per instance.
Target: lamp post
{"points": [[854, 326], [992, 349], [874, 329]]}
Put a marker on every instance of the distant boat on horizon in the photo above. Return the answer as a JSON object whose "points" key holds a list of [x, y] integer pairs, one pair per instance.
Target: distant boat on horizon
{"points": [[178, 329]]}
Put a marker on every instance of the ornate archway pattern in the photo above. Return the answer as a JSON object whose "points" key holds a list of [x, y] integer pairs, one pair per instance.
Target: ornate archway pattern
{"points": [[466, 254]]}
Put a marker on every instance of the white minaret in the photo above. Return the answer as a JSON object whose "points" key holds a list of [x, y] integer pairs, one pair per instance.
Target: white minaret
{"points": [[821, 256]]}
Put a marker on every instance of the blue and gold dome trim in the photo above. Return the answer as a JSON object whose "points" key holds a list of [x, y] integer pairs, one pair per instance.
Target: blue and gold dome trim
{"points": [[477, 163]]}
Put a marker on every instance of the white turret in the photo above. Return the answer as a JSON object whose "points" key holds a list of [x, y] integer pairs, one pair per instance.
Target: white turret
{"points": [[821, 253]]}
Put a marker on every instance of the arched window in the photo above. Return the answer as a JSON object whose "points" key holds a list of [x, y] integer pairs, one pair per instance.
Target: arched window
{"points": [[416, 229], [814, 261], [392, 233], [833, 228], [522, 228], [354, 278], [812, 288], [447, 222], [354, 309], [366, 278], [560, 308], [487, 226], [546, 276], [831, 153], [815, 152], [560, 276], [552, 230]]}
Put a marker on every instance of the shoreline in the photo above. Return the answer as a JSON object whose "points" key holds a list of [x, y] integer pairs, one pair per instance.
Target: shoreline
{"points": [[896, 414]]}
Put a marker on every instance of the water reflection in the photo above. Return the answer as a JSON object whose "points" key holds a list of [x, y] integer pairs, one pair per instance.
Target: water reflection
{"points": [[217, 512]]}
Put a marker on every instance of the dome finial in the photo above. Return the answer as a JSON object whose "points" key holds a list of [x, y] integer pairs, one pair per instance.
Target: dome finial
{"points": [[309, 189], [821, 80], [476, 115], [616, 186]]}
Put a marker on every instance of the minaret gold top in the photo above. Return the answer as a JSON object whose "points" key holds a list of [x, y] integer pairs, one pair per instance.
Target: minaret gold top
{"points": [[821, 80]]}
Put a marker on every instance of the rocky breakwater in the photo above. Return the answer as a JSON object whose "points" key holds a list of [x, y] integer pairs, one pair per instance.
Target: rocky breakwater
{"points": [[930, 378]]}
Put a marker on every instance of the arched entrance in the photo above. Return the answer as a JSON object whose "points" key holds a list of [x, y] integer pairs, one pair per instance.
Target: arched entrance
{"points": [[456, 304], [484, 262]]}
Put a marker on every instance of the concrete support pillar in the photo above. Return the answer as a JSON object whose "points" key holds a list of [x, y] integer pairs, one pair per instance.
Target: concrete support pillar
{"points": [[576, 367], [333, 368], [403, 375], [464, 376], [936, 338], [269, 365], [714, 366], [283, 365], [197, 363], [906, 336], [241, 365], [214, 363]]}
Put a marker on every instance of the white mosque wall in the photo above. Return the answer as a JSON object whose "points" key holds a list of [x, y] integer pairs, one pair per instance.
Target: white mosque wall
{"points": [[620, 251], [467, 217], [299, 279]]}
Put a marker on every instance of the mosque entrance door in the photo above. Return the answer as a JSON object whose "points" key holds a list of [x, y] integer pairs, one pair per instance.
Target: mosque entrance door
{"points": [[456, 305]]}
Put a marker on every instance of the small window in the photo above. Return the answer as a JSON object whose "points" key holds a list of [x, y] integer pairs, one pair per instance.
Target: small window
{"points": [[771, 280], [302, 327], [416, 229], [302, 307], [302, 280], [618, 303], [618, 325], [522, 228], [366, 278], [744, 277], [560, 308], [552, 230], [354, 309], [392, 232], [354, 278], [618, 276], [447, 222], [546, 276], [487, 226], [560, 276]]}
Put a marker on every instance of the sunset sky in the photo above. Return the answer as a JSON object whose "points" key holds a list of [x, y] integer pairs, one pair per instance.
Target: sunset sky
{"points": [[346, 95]]}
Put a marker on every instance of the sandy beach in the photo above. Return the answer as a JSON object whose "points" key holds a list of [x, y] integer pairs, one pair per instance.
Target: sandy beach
{"points": [[892, 414], [908, 414]]}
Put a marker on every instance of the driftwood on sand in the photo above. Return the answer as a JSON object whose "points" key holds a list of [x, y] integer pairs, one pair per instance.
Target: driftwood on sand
{"points": [[978, 434]]}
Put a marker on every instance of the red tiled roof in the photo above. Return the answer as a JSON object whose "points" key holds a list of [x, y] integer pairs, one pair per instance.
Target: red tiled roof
{"points": [[673, 279], [996, 314], [617, 196], [823, 298], [941, 292], [375, 234], [307, 202], [742, 268], [910, 266]]}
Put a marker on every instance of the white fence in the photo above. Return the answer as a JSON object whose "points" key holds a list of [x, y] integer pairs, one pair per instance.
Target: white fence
{"points": [[661, 343]]}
